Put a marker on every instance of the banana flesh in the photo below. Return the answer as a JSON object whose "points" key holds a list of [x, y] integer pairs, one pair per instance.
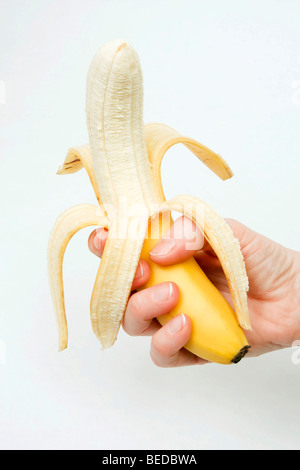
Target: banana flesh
{"points": [[123, 160]]}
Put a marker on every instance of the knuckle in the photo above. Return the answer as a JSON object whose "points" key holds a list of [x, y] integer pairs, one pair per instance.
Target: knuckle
{"points": [[156, 361], [163, 360], [125, 326], [157, 349], [232, 222], [188, 235], [160, 348], [135, 305], [132, 321]]}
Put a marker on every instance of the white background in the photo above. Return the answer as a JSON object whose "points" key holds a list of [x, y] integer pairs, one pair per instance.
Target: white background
{"points": [[225, 73]]}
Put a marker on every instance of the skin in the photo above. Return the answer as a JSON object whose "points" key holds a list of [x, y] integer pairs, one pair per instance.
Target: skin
{"points": [[273, 297]]}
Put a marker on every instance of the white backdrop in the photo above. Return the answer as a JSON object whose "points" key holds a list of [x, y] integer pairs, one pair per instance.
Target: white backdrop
{"points": [[225, 73]]}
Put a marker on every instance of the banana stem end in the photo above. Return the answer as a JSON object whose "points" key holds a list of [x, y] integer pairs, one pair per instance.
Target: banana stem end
{"points": [[242, 353]]}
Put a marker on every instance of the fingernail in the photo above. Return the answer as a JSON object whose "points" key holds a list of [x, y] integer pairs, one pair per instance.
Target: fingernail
{"points": [[176, 324], [140, 271], [98, 242], [162, 292], [163, 247]]}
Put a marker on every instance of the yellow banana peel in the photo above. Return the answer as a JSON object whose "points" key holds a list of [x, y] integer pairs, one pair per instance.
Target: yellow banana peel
{"points": [[123, 160]]}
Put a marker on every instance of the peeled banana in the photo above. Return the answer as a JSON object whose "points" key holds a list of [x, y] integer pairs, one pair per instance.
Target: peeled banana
{"points": [[123, 162]]}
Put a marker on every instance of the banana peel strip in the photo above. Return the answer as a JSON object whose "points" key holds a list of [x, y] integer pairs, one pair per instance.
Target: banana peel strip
{"points": [[108, 289], [77, 158], [160, 137], [66, 226], [227, 248]]}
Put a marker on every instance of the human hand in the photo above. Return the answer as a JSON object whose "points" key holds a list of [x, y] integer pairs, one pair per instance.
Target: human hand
{"points": [[273, 298]]}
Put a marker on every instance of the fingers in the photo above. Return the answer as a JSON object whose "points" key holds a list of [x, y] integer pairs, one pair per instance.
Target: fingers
{"points": [[167, 341], [183, 240], [97, 241], [96, 244], [144, 306]]}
